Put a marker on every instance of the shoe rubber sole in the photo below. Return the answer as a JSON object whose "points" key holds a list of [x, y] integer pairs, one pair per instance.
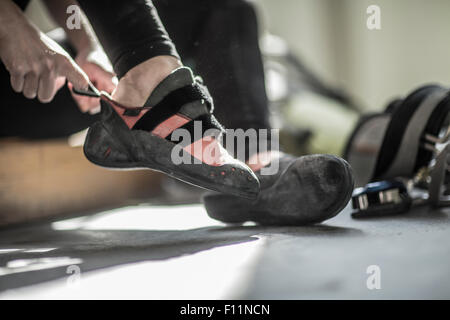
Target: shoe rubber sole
{"points": [[276, 205], [152, 161]]}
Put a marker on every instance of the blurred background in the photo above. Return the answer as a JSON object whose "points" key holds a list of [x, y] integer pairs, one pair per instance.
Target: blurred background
{"points": [[373, 66], [368, 67]]}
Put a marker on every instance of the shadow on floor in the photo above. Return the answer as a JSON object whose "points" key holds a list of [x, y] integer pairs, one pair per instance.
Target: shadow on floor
{"points": [[97, 249]]}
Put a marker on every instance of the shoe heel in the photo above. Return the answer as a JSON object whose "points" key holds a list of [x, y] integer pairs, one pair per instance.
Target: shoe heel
{"points": [[101, 149]]}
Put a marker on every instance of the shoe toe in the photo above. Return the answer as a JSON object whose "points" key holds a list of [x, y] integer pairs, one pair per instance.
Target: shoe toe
{"points": [[237, 179], [328, 181]]}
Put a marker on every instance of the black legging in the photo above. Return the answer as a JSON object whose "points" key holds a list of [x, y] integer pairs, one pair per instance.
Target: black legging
{"points": [[129, 31], [217, 38]]}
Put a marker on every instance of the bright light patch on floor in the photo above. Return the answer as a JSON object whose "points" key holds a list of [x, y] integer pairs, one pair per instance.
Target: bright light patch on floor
{"points": [[26, 265], [218, 273], [39, 250], [142, 218], [33, 250], [8, 250]]}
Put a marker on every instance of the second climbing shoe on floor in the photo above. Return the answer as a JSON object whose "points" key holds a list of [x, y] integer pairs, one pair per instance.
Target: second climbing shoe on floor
{"points": [[304, 190]]}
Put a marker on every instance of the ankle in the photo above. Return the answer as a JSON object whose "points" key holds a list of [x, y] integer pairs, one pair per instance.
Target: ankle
{"points": [[137, 84]]}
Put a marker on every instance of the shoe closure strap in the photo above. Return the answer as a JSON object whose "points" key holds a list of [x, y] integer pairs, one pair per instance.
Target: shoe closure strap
{"points": [[178, 98], [91, 91], [176, 109], [187, 112]]}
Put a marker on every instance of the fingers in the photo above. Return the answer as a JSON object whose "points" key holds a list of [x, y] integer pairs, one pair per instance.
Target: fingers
{"points": [[73, 73], [46, 88], [89, 104], [101, 79], [30, 86], [85, 104], [17, 81], [38, 81], [43, 87], [45, 79], [105, 81]]}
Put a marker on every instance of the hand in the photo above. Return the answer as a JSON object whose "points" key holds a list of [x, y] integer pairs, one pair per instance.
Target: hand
{"points": [[100, 78], [38, 66]]}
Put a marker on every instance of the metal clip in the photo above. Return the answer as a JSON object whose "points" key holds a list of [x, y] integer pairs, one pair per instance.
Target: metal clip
{"points": [[438, 175]]}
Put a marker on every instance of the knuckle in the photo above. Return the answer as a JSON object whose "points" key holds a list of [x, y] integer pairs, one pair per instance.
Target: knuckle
{"points": [[46, 70], [62, 59], [35, 69], [47, 66], [18, 69], [62, 64]]}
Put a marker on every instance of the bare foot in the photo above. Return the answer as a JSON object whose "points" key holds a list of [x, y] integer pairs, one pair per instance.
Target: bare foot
{"points": [[137, 84]]}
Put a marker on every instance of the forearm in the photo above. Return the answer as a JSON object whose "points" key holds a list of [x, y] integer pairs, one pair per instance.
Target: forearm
{"points": [[83, 38], [10, 14]]}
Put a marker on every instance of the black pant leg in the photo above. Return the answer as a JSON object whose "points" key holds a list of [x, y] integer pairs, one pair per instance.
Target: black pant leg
{"points": [[130, 31], [219, 39]]}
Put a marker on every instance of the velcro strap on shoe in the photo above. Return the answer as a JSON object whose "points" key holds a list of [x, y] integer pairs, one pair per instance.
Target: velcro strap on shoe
{"points": [[207, 121], [181, 101]]}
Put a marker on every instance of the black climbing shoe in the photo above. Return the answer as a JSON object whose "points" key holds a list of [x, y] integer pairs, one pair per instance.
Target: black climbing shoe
{"points": [[305, 190], [148, 137]]}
